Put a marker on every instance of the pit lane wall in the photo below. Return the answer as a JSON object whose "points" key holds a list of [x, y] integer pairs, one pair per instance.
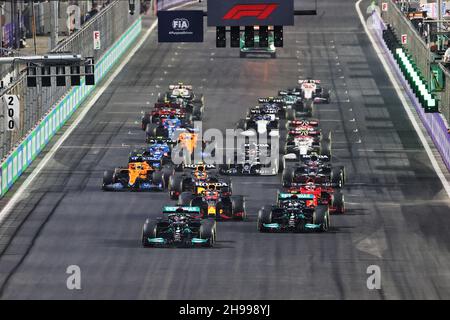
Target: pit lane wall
{"points": [[434, 123], [24, 154]]}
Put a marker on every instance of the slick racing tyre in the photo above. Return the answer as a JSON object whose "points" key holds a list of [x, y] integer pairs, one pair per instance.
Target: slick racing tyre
{"points": [[325, 137], [308, 108], [197, 113], [208, 232], [185, 199], [290, 114], [288, 176], [322, 216], [337, 177], [166, 173], [241, 124], [188, 118], [145, 121], [150, 130], [199, 100], [149, 230], [325, 149], [238, 206], [337, 202], [108, 177], [175, 186], [158, 179], [264, 217]]}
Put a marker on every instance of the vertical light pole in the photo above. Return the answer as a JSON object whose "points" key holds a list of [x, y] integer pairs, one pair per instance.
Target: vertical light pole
{"points": [[33, 26], [439, 24], [2, 13], [54, 24]]}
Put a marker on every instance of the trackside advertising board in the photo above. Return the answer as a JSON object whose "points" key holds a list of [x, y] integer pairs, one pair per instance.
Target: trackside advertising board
{"points": [[250, 13], [180, 26]]}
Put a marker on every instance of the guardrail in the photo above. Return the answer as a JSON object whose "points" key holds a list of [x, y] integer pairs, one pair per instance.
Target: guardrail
{"points": [[50, 108], [416, 46], [433, 122], [112, 22], [165, 4]]}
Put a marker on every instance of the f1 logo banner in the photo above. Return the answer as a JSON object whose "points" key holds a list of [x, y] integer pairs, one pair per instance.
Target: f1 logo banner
{"points": [[180, 26], [250, 13]]}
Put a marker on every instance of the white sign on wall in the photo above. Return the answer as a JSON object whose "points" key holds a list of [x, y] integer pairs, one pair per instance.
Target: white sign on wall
{"points": [[97, 41], [404, 39], [11, 109]]}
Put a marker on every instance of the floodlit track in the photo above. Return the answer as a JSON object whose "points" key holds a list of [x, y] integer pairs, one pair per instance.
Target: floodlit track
{"points": [[398, 213]]}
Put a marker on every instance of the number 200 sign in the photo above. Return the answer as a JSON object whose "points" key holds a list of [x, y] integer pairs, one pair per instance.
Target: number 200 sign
{"points": [[12, 112]]}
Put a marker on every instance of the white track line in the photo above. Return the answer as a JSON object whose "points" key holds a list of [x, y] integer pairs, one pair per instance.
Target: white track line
{"points": [[409, 112], [18, 195]]}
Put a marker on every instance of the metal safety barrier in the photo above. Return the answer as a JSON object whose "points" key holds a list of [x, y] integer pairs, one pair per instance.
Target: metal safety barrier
{"points": [[112, 22], [434, 123], [166, 4], [45, 110], [415, 45]]}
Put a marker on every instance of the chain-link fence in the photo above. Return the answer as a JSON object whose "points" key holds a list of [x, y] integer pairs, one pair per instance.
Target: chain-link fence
{"points": [[415, 44], [112, 22]]}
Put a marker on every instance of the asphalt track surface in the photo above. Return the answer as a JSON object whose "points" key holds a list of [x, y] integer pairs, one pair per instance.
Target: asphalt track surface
{"points": [[398, 215]]}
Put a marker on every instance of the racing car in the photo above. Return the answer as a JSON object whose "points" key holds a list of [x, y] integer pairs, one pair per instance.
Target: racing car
{"points": [[304, 135], [292, 98], [306, 140], [275, 106], [156, 155], [250, 162], [323, 194], [214, 202], [196, 181], [313, 91], [257, 49], [138, 176], [168, 128], [262, 123], [163, 111], [184, 94], [292, 214], [180, 227], [300, 169]]}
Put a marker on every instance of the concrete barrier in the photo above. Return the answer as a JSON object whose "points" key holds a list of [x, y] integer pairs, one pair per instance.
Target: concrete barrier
{"points": [[24, 154]]}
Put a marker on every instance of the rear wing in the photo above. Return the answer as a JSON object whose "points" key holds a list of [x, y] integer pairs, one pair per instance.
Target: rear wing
{"points": [[194, 166], [295, 196], [309, 81], [211, 185], [289, 92], [311, 123], [270, 100], [179, 86], [169, 209], [162, 105], [161, 140], [322, 158]]}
